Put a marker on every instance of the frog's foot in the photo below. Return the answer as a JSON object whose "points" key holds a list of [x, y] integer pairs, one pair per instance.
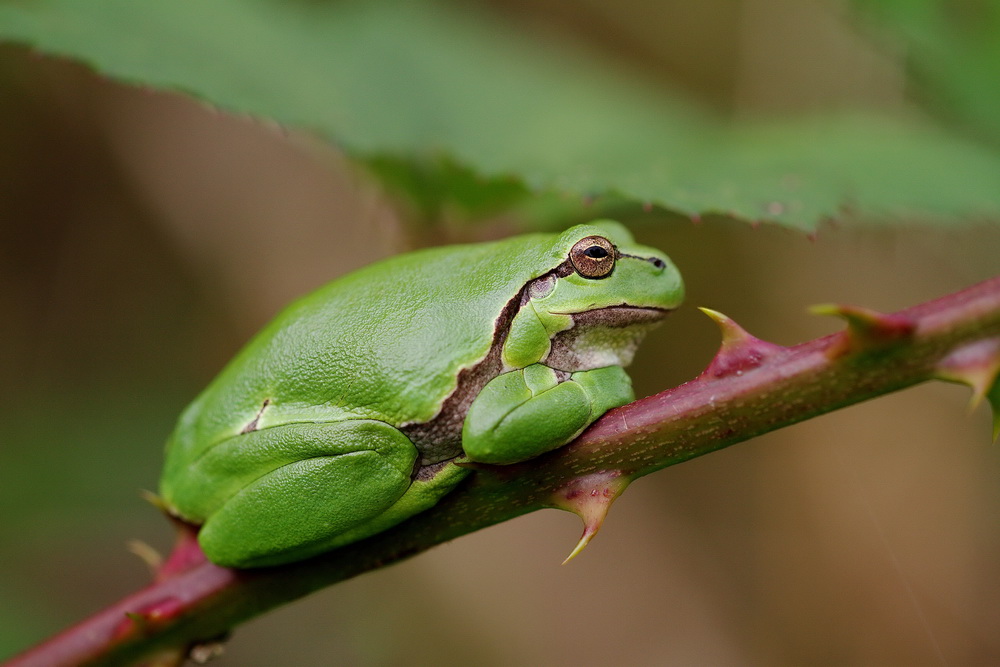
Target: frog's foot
{"points": [[523, 413]]}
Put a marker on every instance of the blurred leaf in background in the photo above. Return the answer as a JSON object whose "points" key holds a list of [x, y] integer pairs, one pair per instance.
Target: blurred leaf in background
{"points": [[475, 90], [952, 48]]}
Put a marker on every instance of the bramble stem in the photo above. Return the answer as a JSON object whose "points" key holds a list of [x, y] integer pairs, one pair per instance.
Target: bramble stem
{"points": [[751, 387]]}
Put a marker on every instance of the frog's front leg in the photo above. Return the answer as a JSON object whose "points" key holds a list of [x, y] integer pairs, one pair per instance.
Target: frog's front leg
{"points": [[286, 492], [523, 413]]}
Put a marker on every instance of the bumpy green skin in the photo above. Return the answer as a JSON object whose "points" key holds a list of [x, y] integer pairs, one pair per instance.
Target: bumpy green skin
{"points": [[300, 445]]}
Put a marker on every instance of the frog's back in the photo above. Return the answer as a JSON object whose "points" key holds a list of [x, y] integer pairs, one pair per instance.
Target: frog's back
{"points": [[385, 342]]}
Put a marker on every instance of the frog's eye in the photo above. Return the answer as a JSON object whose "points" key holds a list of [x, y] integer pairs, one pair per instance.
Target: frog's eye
{"points": [[593, 257]]}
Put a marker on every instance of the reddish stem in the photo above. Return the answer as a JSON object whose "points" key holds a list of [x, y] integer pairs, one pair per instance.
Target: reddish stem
{"points": [[751, 387]]}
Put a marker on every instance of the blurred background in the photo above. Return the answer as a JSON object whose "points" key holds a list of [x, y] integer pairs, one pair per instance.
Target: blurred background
{"points": [[144, 237]]}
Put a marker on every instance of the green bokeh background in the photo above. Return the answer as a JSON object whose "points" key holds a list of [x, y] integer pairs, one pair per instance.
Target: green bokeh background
{"points": [[144, 237]]}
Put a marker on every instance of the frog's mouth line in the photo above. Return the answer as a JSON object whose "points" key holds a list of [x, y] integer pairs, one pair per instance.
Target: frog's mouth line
{"points": [[619, 316]]}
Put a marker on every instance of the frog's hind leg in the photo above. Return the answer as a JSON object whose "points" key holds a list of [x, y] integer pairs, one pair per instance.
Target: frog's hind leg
{"points": [[301, 486]]}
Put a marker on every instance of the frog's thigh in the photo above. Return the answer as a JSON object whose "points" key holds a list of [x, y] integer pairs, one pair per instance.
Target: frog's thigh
{"points": [[357, 470]]}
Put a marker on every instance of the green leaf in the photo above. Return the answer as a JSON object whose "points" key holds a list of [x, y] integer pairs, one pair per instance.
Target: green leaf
{"points": [[954, 50], [446, 102]]}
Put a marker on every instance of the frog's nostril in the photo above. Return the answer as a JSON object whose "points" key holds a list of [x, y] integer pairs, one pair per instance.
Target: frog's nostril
{"points": [[657, 262]]}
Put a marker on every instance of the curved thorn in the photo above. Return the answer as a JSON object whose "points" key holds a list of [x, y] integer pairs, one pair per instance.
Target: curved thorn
{"points": [[866, 329], [590, 498], [740, 351], [588, 533], [976, 365], [147, 554]]}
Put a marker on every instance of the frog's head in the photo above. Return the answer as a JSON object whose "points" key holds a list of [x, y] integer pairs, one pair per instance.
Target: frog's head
{"points": [[607, 293]]}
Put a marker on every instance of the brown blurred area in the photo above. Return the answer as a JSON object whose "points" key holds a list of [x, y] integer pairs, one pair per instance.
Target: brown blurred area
{"points": [[144, 237]]}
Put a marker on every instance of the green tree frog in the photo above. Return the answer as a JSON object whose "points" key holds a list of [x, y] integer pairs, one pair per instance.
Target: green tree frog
{"points": [[348, 413]]}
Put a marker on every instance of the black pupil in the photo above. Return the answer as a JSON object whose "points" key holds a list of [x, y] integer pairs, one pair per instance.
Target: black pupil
{"points": [[596, 252]]}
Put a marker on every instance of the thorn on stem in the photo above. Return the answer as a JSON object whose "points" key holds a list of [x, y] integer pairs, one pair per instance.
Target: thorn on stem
{"points": [[154, 500], [867, 330], [206, 652], [147, 554], [144, 619], [739, 350], [590, 498], [978, 366]]}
